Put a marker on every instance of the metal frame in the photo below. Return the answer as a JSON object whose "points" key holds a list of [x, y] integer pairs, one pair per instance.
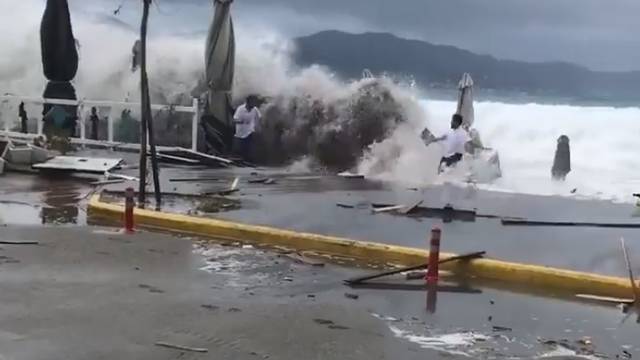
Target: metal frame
{"points": [[193, 109]]}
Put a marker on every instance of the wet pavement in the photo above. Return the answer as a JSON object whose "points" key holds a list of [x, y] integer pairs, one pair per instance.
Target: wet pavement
{"points": [[307, 202], [87, 293]]}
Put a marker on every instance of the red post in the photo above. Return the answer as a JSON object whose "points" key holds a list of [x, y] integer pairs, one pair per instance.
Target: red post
{"points": [[129, 204], [434, 256]]}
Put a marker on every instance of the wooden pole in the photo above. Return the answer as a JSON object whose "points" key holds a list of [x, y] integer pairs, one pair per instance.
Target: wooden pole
{"points": [[146, 123], [146, 102], [142, 188]]}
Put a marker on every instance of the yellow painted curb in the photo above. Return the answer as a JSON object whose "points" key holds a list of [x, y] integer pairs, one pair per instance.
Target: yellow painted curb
{"points": [[558, 280]]}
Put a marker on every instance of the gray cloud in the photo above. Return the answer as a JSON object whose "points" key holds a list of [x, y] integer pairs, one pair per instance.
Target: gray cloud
{"points": [[600, 34], [597, 33]]}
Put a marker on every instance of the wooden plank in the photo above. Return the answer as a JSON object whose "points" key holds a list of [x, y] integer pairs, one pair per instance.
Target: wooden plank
{"points": [[525, 222], [178, 159], [181, 347], [78, 164], [410, 208], [607, 299], [107, 182], [469, 256], [207, 156], [634, 287], [194, 179], [388, 209]]}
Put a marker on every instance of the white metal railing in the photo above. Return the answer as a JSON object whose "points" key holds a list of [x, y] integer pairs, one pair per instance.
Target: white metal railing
{"points": [[194, 109]]}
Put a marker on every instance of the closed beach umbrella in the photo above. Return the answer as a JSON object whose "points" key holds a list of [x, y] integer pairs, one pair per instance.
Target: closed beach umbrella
{"points": [[59, 56], [465, 100], [219, 67]]}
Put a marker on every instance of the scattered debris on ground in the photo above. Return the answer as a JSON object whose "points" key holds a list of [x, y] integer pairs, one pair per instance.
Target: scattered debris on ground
{"points": [[195, 179], [351, 296], [215, 204], [181, 347], [301, 259], [19, 243], [107, 182], [501, 329], [464, 257], [348, 175], [525, 222], [345, 206], [265, 181], [232, 189]]}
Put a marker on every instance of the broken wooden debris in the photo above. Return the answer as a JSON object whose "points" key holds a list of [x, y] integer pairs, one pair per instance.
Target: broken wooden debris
{"points": [[416, 275], [266, 181], [348, 175], [109, 175], [181, 347], [351, 296], [501, 328], [345, 206], [634, 287], [301, 259], [447, 213], [177, 159], [78, 164], [464, 257], [441, 288], [194, 179], [233, 188], [628, 304], [202, 158], [387, 209], [605, 299], [525, 222], [107, 182], [19, 243], [410, 208]]}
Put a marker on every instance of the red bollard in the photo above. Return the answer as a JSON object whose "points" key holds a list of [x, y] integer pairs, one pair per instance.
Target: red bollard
{"points": [[434, 257], [129, 204]]}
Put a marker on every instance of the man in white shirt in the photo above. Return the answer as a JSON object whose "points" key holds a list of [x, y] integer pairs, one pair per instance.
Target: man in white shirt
{"points": [[246, 117], [455, 141]]}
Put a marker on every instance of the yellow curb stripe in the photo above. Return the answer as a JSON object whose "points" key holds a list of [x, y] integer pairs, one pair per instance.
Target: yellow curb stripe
{"points": [[559, 280]]}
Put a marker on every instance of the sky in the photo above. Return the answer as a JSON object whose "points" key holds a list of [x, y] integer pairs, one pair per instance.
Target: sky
{"points": [[599, 34]]}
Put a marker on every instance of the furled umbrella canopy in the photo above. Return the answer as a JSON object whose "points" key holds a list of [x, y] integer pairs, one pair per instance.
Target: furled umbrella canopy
{"points": [[465, 100], [219, 68], [59, 57]]}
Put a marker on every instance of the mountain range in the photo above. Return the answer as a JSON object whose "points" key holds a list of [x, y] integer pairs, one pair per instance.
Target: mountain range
{"points": [[440, 67]]}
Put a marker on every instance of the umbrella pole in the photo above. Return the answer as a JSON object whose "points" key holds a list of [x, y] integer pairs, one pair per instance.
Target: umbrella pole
{"points": [[146, 103]]}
